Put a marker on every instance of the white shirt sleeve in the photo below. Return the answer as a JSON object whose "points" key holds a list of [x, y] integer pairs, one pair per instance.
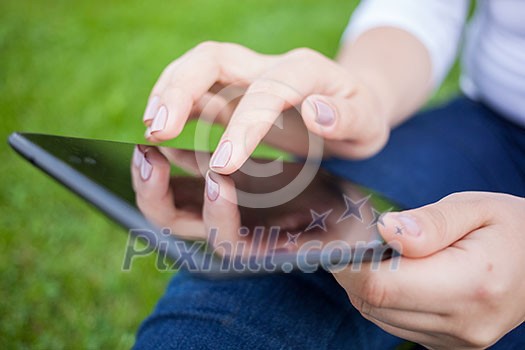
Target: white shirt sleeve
{"points": [[438, 24]]}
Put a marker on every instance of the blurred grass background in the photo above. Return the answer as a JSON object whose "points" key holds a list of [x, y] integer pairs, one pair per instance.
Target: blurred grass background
{"points": [[85, 68]]}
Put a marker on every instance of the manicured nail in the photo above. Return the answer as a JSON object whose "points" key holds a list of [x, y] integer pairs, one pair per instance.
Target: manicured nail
{"points": [[137, 156], [145, 168], [147, 133], [222, 155], [212, 188], [325, 114], [408, 225], [151, 108], [160, 119]]}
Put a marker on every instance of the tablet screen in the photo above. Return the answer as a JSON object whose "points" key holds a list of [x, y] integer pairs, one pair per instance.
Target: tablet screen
{"points": [[268, 207]]}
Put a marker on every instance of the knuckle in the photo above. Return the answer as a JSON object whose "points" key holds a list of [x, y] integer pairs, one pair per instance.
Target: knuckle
{"points": [[455, 197], [376, 138], [383, 134], [263, 86], [438, 220], [207, 47], [460, 198], [497, 291], [275, 92], [170, 67], [483, 331], [480, 203], [304, 55], [362, 306], [479, 337], [300, 52], [374, 292], [491, 293], [503, 208]]}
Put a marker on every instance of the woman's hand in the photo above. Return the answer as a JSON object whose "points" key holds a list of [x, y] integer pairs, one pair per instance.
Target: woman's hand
{"points": [[179, 210], [461, 283], [333, 103]]}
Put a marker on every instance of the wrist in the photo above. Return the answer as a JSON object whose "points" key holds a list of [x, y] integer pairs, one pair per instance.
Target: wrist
{"points": [[395, 65]]}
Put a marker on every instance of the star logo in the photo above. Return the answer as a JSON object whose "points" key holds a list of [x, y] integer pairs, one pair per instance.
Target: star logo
{"points": [[292, 239], [399, 231], [318, 220], [378, 217], [353, 208]]}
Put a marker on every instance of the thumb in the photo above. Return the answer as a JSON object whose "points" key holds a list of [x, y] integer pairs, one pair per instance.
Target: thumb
{"points": [[350, 119], [426, 230]]}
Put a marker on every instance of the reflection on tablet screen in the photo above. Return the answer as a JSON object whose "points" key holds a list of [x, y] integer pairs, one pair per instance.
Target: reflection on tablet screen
{"points": [[252, 215]]}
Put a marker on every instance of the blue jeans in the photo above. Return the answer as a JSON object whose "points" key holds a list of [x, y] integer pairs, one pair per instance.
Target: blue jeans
{"points": [[458, 147]]}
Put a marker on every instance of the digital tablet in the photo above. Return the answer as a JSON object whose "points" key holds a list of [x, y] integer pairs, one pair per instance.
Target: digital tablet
{"points": [[271, 216]]}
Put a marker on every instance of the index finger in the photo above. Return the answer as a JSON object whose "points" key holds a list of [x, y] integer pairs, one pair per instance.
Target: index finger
{"points": [[301, 73]]}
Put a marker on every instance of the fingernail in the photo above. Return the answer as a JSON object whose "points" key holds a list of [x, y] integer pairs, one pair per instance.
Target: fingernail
{"points": [[325, 114], [160, 119], [137, 157], [222, 155], [409, 225], [145, 168], [147, 134], [151, 108], [212, 188]]}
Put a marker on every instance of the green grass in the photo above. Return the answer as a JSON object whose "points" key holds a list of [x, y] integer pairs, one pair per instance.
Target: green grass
{"points": [[84, 68]]}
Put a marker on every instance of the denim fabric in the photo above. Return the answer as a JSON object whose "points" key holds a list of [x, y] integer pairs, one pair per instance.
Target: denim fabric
{"points": [[458, 147], [297, 311], [462, 146]]}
